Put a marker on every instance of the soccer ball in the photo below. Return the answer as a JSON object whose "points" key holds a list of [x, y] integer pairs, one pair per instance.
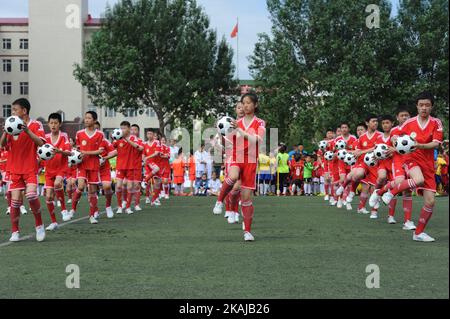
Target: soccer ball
{"points": [[14, 125], [75, 158], [341, 154], [380, 151], [350, 159], [46, 152], [329, 156], [224, 125], [370, 159], [323, 145], [404, 144], [117, 134], [340, 145]]}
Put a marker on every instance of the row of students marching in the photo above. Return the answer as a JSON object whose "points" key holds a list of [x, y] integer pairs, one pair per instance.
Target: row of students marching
{"points": [[398, 170]]}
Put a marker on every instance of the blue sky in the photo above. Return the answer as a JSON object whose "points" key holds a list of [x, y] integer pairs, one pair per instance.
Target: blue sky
{"points": [[253, 19]]}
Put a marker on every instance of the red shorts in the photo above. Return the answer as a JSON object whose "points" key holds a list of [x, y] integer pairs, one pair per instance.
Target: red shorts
{"points": [[91, 176], [387, 166], [50, 179], [165, 172], [138, 175], [105, 174], [344, 168], [247, 174], [370, 172], [152, 169], [6, 178], [428, 175], [127, 174], [398, 168], [178, 179], [20, 181]]}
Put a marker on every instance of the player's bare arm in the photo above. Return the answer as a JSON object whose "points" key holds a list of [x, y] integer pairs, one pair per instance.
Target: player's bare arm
{"points": [[36, 139]]}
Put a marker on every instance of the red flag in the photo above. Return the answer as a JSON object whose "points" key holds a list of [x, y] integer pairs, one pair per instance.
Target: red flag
{"points": [[235, 31]]}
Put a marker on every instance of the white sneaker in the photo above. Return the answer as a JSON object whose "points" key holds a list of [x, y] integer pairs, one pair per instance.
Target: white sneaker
{"points": [[162, 194], [129, 211], [156, 202], [119, 210], [409, 225], [236, 218], [109, 212], [423, 238], [93, 220], [40, 233], [374, 198], [333, 202], [23, 210], [137, 208], [52, 226], [339, 204], [373, 215], [231, 219], [8, 211], [340, 190], [166, 196], [96, 214], [15, 237], [227, 214], [58, 204], [363, 211], [326, 197], [391, 220], [63, 213], [144, 185], [248, 236], [69, 201], [387, 197], [148, 200], [124, 204], [66, 216], [350, 196], [348, 206], [218, 208]]}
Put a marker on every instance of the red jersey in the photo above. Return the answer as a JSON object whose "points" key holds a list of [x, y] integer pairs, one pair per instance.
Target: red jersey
{"points": [[137, 154], [350, 141], [126, 156], [107, 148], [3, 160], [58, 164], [243, 151], [296, 169], [93, 142], [23, 150], [165, 150], [366, 142], [431, 131], [150, 148]]}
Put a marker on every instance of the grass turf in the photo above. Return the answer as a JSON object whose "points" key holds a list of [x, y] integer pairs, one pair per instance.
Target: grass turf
{"points": [[303, 249]]}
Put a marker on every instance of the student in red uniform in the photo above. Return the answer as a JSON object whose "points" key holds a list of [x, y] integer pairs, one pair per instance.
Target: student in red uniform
{"points": [[137, 156], [250, 131], [326, 166], [71, 176], [191, 170], [334, 170], [296, 169], [152, 152], [55, 169], [23, 173], [89, 142], [427, 132], [165, 167]]}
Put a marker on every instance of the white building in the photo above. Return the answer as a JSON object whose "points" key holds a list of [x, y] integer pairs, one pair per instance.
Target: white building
{"points": [[37, 57]]}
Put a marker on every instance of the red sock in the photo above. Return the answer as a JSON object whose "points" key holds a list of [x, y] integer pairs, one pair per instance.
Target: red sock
{"points": [[248, 212], [137, 196], [51, 210], [8, 197], [228, 203], [60, 196], [156, 194], [407, 184], [125, 193], [35, 206], [76, 198], [226, 188], [119, 197], [70, 193], [362, 200], [386, 188], [425, 215], [234, 200], [327, 189], [407, 207], [15, 215], [147, 191], [391, 206], [93, 204], [108, 198], [129, 197]]}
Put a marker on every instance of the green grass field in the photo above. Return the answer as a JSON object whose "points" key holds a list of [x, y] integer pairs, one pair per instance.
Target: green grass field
{"points": [[303, 249]]}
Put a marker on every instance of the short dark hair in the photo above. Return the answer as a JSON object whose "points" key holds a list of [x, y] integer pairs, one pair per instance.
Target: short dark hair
{"points": [[93, 114], [402, 109], [370, 117], [253, 97], [55, 116], [23, 103], [344, 123], [125, 123], [425, 95], [387, 117], [362, 124], [136, 126]]}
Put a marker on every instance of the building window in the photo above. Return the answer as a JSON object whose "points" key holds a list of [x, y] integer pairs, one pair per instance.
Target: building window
{"points": [[23, 65], [6, 65], [6, 44], [149, 112], [7, 88], [109, 112], [23, 44], [91, 108], [6, 110], [23, 88], [130, 112], [108, 132]]}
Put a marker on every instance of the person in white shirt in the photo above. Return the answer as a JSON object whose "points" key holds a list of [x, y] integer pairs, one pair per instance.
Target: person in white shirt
{"points": [[173, 150], [214, 185]]}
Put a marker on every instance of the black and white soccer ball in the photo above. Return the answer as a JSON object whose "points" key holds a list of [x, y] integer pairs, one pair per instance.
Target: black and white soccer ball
{"points": [[329, 155], [350, 159], [117, 134], [405, 144], [224, 125], [381, 151], [323, 145], [14, 125], [46, 152], [370, 159], [341, 154], [75, 158], [340, 145]]}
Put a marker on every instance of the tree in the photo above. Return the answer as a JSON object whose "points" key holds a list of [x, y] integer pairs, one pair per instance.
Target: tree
{"points": [[159, 54]]}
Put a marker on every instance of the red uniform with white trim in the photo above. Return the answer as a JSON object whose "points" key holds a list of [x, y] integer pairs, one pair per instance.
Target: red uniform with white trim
{"points": [[137, 160], [125, 165], [164, 161], [105, 169], [385, 164], [366, 142], [3, 163], [57, 166], [350, 142], [89, 169], [152, 165]]}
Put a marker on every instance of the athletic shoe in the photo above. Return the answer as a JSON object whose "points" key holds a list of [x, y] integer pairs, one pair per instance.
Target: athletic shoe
{"points": [[236, 218], [339, 204], [137, 208], [227, 214], [144, 185], [109, 212], [96, 214], [92, 220], [124, 204], [248, 236], [8, 211], [363, 211], [350, 196], [373, 215], [218, 208], [119, 210], [40, 233], [23, 210], [387, 197], [147, 200], [58, 204], [67, 216], [166, 196], [409, 225], [69, 201], [231, 219], [333, 202], [63, 213], [52, 226], [340, 190], [391, 220], [129, 211], [423, 238], [15, 237], [348, 206], [156, 202], [326, 197], [374, 198]]}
